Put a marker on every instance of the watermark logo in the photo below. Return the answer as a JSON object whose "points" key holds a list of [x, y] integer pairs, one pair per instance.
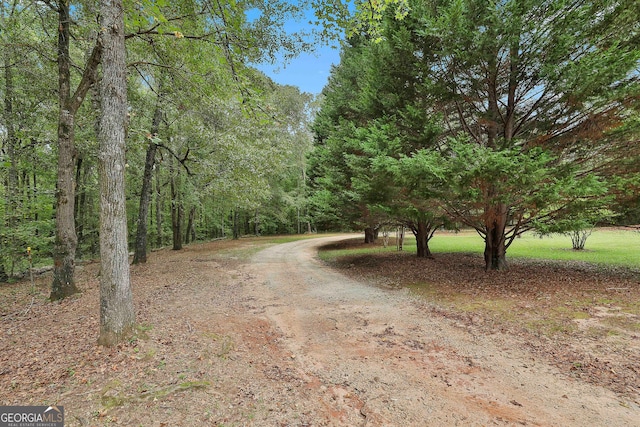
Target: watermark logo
{"points": [[31, 416]]}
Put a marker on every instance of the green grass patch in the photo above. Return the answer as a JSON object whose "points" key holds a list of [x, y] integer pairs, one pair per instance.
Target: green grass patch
{"points": [[611, 247], [604, 246]]}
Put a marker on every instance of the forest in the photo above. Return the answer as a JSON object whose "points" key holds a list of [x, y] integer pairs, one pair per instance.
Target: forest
{"points": [[214, 148], [499, 116]]}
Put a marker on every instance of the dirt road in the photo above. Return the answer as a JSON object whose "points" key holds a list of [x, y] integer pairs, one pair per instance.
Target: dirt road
{"points": [[229, 336], [373, 357]]}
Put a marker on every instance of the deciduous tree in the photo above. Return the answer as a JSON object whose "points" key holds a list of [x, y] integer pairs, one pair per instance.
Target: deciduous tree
{"points": [[66, 241], [117, 316]]}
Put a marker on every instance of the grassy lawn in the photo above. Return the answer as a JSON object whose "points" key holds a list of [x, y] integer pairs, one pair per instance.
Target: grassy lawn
{"points": [[604, 246]]}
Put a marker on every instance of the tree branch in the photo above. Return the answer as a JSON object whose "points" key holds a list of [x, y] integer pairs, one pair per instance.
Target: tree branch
{"points": [[89, 77], [182, 161]]}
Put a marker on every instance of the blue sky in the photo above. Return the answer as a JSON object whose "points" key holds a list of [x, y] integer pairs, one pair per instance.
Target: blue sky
{"points": [[308, 71]]}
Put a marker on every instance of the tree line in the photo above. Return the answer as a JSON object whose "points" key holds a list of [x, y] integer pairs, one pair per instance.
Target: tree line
{"points": [[500, 116]]}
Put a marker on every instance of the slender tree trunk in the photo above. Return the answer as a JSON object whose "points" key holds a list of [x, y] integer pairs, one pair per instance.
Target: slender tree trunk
{"points": [[495, 252], [247, 224], [117, 317], [78, 190], [77, 205], [82, 204], [29, 195], [236, 224], [140, 254], [192, 219], [158, 208], [11, 183], [11, 142], [190, 234], [400, 237], [256, 223], [222, 225], [176, 214], [35, 192], [66, 240]]}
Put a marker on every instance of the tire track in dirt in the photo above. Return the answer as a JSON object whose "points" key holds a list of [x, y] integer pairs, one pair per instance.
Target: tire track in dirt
{"points": [[372, 357]]}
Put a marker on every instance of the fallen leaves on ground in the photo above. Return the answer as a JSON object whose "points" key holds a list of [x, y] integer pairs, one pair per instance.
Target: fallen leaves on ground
{"points": [[583, 318]]}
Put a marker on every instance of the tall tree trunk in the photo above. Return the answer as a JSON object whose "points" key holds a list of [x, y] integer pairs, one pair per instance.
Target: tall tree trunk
{"points": [[11, 142], [495, 252], [11, 182], [158, 208], [190, 232], [246, 220], [400, 237], [236, 224], [140, 254], [35, 192], [222, 220], [29, 190], [78, 190], [66, 240], [82, 204], [422, 231], [256, 224], [117, 317], [78, 206], [176, 213]]}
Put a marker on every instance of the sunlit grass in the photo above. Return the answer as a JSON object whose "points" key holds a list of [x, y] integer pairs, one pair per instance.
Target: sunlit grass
{"points": [[604, 246]]}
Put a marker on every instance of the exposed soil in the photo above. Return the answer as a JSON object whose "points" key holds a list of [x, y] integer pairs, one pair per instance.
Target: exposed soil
{"points": [[231, 336]]}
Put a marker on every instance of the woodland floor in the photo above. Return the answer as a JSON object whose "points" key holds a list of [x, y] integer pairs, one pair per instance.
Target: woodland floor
{"points": [[248, 333]]}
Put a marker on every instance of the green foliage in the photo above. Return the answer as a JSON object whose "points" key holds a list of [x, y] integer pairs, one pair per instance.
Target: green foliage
{"points": [[228, 137]]}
